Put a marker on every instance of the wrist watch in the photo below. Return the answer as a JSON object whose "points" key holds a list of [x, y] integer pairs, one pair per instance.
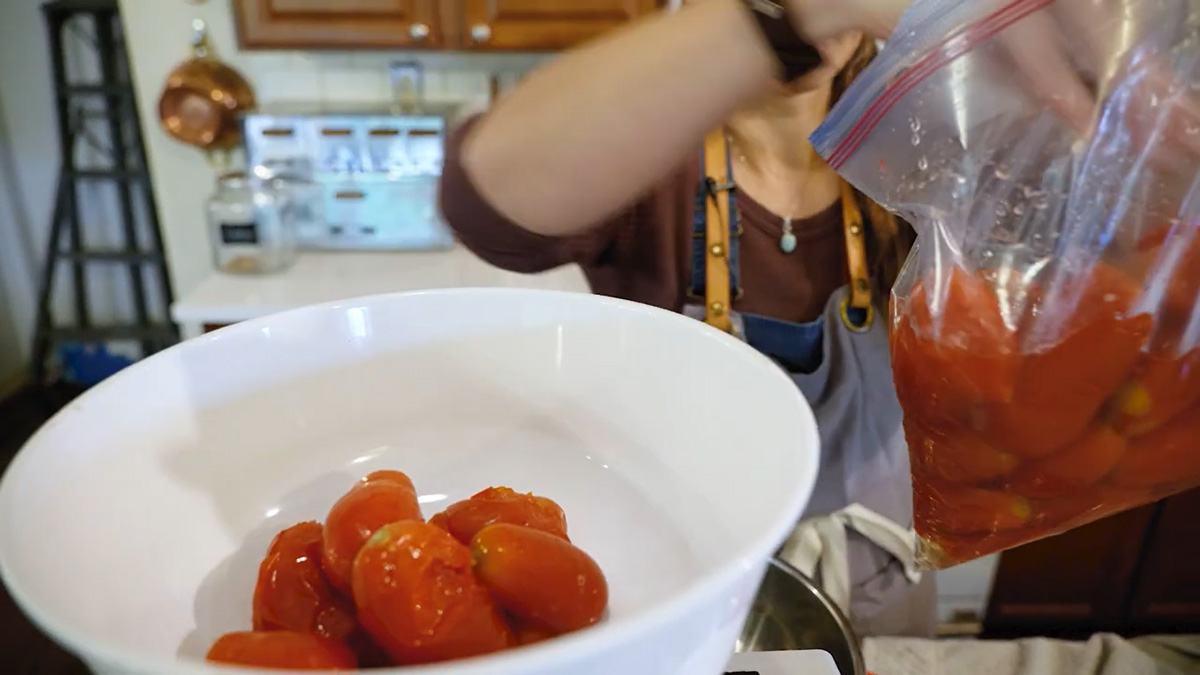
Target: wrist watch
{"points": [[796, 56]]}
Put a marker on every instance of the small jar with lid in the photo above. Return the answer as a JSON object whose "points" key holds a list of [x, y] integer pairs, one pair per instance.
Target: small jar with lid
{"points": [[250, 227]]}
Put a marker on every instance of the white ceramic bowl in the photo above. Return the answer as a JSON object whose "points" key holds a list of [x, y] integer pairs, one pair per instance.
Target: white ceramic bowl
{"points": [[132, 524]]}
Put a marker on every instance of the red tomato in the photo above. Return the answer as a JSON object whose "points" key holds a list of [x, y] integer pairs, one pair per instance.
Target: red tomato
{"points": [[530, 635], [956, 456], [1070, 511], [440, 520], [386, 476], [1165, 458], [539, 578], [939, 550], [1163, 387], [1061, 389], [368, 506], [1180, 271], [292, 593], [940, 509], [1079, 464], [963, 342], [927, 399], [287, 650], [416, 595], [503, 505]]}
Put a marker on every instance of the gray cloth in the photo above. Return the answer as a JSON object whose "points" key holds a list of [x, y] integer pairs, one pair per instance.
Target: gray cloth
{"points": [[864, 460], [1102, 655]]}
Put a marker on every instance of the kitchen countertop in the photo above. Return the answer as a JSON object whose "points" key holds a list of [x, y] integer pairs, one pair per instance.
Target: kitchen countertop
{"points": [[319, 277]]}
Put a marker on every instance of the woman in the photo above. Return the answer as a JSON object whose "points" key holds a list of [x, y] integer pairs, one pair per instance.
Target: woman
{"points": [[593, 160]]}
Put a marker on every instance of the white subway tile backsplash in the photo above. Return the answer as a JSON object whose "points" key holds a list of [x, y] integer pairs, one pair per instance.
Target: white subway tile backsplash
{"points": [[361, 77], [347, 84], [283, 77], [334, 59], [466, 84], [436, 85]]}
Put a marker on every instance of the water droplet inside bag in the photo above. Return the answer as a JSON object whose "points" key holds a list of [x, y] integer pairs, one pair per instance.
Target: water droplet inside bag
{"points": [[916, 139], [1192, 129], [915, 124], [1002, 172], [922, 163], [1019, 210]]}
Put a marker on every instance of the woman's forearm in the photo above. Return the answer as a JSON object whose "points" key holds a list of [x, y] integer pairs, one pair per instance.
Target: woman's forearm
{"points": [[591, 131]]}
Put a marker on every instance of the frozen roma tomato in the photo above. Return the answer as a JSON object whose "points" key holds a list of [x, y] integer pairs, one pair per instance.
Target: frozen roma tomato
{"points": [[961, 341], [1080, 464], [1163, 387], [1071, 510], [382, 497], [956, 456], [292, 592], [288, 650], [928, 399], [1173, 255], [417, 596], [1167, 457], [542, 580], [502, 505], [1062, 387], [949, 509]]}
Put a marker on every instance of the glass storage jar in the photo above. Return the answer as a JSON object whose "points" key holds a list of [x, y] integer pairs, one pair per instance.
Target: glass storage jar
{"points": [[251, 226]]}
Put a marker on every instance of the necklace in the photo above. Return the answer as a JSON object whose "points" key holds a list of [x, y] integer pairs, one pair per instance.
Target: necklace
{"points": [[787, 239]]}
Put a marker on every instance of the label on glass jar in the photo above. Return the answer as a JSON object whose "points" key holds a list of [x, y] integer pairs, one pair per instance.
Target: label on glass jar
{"points": [[239, 233]]}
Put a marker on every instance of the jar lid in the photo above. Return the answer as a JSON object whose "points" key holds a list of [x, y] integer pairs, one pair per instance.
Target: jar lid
{"points": [[232, 179]]}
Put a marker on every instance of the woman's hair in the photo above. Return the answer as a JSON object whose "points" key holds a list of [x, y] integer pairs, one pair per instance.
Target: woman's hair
{"points": [[889, 238]]}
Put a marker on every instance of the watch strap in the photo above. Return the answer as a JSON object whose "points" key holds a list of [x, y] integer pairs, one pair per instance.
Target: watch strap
{"points": [[796, 56]]}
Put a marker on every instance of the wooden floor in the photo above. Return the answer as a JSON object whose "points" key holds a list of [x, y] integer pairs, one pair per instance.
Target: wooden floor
{"points": [[23, 648]]}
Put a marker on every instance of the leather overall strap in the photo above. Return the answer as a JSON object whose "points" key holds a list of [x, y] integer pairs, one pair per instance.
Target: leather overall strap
{"points": [[717, 301], [856, 249]]}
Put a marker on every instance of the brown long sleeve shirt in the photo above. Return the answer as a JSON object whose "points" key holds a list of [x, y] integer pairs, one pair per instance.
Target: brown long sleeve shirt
{"points": [[643, 253]]}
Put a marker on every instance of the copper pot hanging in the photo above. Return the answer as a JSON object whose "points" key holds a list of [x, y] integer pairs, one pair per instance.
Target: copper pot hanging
{"points": [[203, 98]]}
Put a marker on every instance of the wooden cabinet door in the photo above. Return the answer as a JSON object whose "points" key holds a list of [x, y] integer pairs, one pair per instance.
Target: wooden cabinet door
{"points": [[1166, 595], [1071, 585], [340, 24], [545, 24]]}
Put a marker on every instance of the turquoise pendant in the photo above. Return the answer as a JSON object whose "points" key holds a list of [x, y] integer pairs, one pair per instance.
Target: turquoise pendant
{"points": [[787, 243]]}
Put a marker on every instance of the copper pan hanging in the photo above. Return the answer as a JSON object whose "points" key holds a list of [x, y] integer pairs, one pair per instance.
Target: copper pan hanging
{"points": [[204, 98]]}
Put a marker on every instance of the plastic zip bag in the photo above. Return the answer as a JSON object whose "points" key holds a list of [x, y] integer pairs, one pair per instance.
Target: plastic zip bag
{"points": [[1045, 329]]}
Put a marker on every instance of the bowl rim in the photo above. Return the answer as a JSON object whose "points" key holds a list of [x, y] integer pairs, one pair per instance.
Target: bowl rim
{"points": [[564, 650]]}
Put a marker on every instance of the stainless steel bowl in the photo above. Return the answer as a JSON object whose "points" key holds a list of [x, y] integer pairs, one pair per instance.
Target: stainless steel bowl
{"points": [[791, 613]]}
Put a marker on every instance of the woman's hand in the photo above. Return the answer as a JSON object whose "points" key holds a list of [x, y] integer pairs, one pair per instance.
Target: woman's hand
{"points": [[1075, 53], [823, 19]]}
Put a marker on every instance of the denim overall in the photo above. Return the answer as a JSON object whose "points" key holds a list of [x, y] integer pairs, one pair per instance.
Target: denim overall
{"points": [[855, 536]]}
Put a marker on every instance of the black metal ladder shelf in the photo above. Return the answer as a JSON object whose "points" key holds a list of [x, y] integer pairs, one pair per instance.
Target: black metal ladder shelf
{"points": [[126, 170]]}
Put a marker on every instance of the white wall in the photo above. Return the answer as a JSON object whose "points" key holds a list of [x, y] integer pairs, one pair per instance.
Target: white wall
{"points": [[964, 590], [158, 32], [28, 171], [29, 168]]}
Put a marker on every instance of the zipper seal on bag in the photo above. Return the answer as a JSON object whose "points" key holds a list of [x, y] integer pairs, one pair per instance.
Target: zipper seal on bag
{"points": [[862, 113], [950, 49], [914, 36]]}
